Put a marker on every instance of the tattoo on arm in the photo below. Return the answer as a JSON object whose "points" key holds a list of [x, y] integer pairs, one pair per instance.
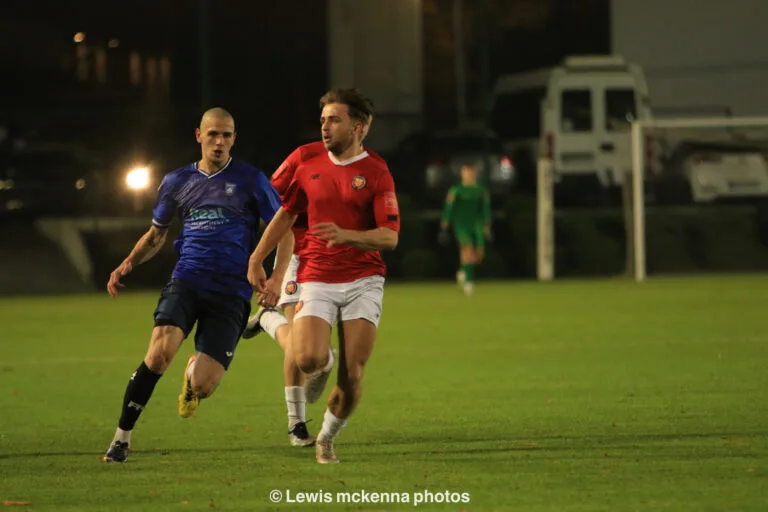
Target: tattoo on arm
{"points": [[148, 245]]}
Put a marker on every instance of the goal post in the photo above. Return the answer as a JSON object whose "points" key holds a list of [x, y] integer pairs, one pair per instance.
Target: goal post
{"points": [[545, 220], [638, 202]]}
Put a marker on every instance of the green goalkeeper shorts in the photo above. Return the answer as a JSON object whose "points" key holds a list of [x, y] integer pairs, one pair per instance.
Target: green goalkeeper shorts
{"points": [[470, 236]]}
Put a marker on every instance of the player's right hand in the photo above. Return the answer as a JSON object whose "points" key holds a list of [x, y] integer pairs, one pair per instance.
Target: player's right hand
{"points": [[257, 277], [114, 278]]}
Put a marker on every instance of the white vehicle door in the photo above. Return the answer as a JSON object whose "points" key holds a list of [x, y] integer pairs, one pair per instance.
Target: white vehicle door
{"points": [[593, 133]]}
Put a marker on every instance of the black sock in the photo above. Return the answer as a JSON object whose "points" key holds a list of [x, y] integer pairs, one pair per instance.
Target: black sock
{"points": [[137, 394]]}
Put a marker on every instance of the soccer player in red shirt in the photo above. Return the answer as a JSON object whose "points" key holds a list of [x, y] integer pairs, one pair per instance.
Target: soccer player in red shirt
{"points": [[352, 214], [279, 326]]}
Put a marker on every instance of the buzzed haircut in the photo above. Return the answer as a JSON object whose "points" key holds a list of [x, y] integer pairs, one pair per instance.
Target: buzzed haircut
{"points": [[217, 113]]}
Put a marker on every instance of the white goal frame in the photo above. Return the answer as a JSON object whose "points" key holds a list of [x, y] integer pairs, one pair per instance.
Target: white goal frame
{"points": [[639, 165], [545, 207]]}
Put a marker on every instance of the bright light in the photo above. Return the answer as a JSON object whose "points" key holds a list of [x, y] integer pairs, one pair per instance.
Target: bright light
{"points": [[138, 179], [79, 37]]}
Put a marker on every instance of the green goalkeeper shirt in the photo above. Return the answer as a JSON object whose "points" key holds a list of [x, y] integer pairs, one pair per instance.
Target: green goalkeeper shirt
{"points": [[467, 206]]}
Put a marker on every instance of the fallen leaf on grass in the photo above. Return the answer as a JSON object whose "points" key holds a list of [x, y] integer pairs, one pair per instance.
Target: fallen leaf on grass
{"points": [[16, 503]]}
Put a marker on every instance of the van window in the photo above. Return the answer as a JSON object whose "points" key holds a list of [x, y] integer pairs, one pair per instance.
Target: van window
{"points": [[620, 109], [518, 115], [576, 111]]}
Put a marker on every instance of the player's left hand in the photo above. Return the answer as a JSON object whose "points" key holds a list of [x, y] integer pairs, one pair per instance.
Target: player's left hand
{"points": [[330, 232]]}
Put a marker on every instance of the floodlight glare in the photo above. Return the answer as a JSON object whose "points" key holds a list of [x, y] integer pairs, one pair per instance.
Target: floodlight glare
{"points": [[138, 178]]}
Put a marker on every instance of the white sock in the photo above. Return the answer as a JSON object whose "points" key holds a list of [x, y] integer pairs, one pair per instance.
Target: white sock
{"points": [[297, 405], [331, 360], [271, 321], [331, 426], [124, 436]]}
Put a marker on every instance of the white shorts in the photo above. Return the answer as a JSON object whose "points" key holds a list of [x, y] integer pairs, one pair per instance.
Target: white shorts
{"points": [[360, 299], [291, 289]]}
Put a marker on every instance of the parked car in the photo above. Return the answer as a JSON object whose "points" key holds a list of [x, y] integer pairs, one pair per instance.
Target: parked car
{"points": [[708, 172]]}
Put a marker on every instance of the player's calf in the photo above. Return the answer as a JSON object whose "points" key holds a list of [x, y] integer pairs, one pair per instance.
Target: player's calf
{"points": [[315, 382], [137, 394], [345, 395], [201, 377], [206, 374]]}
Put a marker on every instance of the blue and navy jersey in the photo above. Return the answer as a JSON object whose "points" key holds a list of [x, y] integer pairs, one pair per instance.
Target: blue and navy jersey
{"points": [[220, 215]]}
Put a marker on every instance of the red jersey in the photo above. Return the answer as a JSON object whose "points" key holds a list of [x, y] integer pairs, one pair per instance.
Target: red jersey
{"points": [[283, 177], [357, 194]]}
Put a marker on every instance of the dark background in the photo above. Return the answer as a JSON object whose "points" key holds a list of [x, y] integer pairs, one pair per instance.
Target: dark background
{"points": [[267, 64]]}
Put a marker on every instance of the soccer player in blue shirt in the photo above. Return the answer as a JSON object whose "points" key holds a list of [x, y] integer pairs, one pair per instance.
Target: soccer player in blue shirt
{"points": [[219, 200]]}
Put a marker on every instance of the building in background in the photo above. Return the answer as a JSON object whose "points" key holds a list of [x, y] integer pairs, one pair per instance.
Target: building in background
{"points": [[703, 60], [378, 47]]}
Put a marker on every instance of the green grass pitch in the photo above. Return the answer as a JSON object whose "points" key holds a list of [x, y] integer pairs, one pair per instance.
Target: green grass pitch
{"points": [[568, 396]]}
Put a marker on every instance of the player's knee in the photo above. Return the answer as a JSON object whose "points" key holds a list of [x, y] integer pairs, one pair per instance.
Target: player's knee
{"points": [[308, 363], [159, 358], [165, 342]]}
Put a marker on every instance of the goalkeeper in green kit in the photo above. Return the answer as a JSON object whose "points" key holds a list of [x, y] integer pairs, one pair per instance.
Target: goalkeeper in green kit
{"points": [[468, 210]]}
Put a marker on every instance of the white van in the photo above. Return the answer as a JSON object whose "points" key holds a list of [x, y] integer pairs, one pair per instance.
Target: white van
{"points": [[578, 114]]}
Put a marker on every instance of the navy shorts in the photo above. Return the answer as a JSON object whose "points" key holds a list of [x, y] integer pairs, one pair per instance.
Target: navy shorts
{"points": [[220, 317]]}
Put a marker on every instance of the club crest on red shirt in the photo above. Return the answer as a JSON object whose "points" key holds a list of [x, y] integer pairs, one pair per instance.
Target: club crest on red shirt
{"points": [[359, 182]]}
